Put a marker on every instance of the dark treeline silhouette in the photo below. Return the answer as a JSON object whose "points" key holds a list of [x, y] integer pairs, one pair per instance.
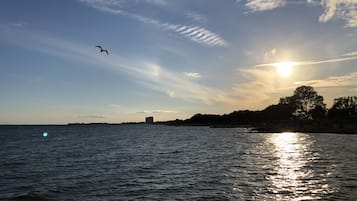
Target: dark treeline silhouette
{"points": [[305, 110]]}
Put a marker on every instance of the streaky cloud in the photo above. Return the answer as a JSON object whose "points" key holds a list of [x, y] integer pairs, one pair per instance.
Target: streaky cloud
{"points": [[346, 57], [196, 17], [350, 54], [195, 33], [263, 5], [157, 111], [333, 81], [93, 116], [150, 75], [345, 10], [193, 75], [111, 6]]}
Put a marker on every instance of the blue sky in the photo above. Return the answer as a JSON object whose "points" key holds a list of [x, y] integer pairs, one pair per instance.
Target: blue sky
{"points": [[168, 58]]}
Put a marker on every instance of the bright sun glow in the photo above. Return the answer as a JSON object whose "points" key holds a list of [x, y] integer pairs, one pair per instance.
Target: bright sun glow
{"points": [[284, 69]]}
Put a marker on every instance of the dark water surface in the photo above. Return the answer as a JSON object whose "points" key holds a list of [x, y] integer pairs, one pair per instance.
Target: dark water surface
{"points": [[143, 162]]}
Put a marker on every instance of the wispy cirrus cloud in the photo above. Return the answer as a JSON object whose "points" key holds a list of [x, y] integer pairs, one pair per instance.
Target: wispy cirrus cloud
{"points": [[114, 106], [198, 34], [350, 54], [111, 6], [262, 5], [349, 79], [194, 33], [196, 16], [150, 75], [345, 57], [192, 75], [116, 6], [263, 86], [157, 111], [341, 9], [157, 2]]}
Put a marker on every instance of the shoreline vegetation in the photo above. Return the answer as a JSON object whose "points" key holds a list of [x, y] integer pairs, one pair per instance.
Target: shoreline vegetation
{"points": [[304, 111]]}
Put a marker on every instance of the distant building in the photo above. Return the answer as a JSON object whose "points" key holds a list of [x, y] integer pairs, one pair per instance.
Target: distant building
{"points": [[149, 120]]}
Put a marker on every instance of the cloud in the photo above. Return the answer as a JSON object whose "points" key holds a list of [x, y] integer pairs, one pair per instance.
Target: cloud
{"points": [[157, 111], [196, 17], [350, 54], [111, 6], [193, 75], [198, 34], [342, 9], [150, 75], [157, 2], [263, 87], [270, 55], [333, 81], [114, 105], [194, 33], [346, 57], [116, 6], [262, 5]]}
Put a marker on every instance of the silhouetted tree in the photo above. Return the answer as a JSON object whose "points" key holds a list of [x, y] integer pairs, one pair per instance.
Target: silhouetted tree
{"points": [[344, 108], [305, 104], [308, 104]]}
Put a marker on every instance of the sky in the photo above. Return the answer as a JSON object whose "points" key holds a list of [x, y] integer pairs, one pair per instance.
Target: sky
{"points": [[169, 58]]}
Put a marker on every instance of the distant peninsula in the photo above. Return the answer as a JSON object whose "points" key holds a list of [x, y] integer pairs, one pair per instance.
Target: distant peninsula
{"points": [[304, 111]]}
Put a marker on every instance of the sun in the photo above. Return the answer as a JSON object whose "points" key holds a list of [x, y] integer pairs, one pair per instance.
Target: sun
{"points": [[284, 69]]}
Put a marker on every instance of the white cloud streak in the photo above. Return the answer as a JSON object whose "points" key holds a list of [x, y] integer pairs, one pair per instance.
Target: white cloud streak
{"points": [[346, 57], [194, 33], [157, 111], [114, 106], [111, 6], [92, 116], [333, 81], [350, 54], [193, 75], [263, 5]]}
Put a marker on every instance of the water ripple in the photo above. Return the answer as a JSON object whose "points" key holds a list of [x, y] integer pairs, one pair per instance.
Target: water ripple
{"points": [[143, 162]]}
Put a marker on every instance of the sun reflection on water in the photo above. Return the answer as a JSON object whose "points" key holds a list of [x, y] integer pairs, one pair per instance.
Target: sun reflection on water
{"points": [[292, 176]]}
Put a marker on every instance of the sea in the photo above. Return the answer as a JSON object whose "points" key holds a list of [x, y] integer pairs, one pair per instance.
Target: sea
{"points": [[157, 162]]}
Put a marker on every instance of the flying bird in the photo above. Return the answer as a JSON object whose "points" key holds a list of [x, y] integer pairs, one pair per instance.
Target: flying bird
{"points": [[102, 50]]}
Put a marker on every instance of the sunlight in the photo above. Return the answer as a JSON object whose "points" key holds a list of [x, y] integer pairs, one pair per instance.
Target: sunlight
{"points": [[291, 180], [284, 69], [289, 151]]}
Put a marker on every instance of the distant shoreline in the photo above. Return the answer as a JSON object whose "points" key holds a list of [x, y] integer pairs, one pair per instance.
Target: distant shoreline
{"points": [[252, 128]]}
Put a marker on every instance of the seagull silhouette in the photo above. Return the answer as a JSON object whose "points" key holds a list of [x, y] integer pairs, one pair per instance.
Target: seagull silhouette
{"points": [[102, 50]]}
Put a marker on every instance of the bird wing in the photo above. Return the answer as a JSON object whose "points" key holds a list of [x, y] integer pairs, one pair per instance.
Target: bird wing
{"points": [[106, 51], [100, 47]]}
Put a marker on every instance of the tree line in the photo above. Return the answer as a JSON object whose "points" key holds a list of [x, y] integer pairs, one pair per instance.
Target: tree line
{"points": [[305, 105]]}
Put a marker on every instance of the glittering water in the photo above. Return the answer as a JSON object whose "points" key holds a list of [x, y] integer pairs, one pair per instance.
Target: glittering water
{"points": [[143, 162]]}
